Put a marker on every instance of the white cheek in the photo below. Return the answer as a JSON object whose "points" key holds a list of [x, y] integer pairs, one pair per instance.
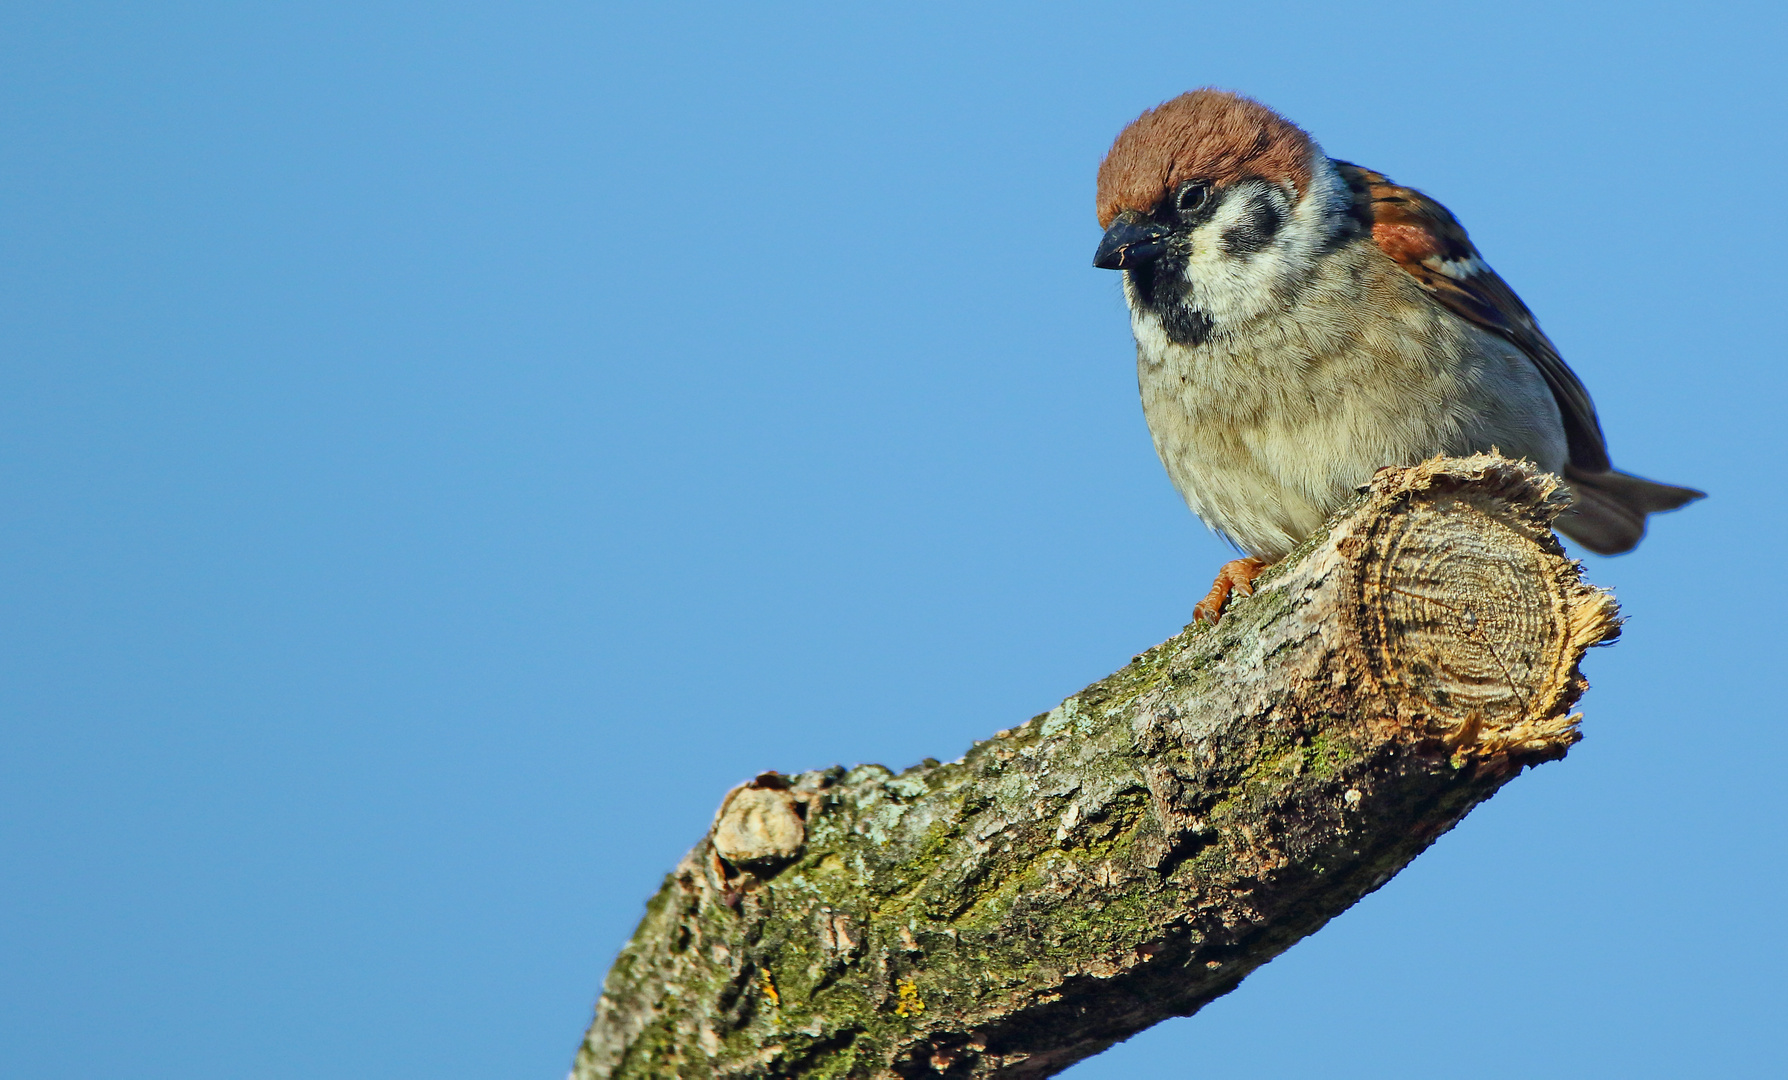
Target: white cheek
{"points": [[1228, 288], [1150, 336], [1232, 289]]}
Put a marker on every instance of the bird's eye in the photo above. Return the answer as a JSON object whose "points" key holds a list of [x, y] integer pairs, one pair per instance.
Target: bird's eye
{"points": [[1191, 197]]}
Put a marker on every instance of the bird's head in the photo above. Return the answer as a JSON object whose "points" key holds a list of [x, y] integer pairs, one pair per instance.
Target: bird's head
{"points": [[1216, 208]]}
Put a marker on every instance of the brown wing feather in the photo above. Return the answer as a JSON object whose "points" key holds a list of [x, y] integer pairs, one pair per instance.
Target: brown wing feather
{"points": [[1426, 240]]}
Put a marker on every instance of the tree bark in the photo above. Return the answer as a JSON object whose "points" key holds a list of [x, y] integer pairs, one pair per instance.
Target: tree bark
{"points": [[1135, 852]]}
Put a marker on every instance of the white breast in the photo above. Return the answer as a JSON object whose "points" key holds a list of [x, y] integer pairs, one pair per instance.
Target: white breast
{"points": [[1269, 428]]}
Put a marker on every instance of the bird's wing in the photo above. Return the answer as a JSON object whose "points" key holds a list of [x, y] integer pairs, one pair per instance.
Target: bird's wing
{"points": [[1427, 241]]}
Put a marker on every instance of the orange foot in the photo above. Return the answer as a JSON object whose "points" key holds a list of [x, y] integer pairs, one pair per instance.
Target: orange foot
{"points": [[1238, 576]]}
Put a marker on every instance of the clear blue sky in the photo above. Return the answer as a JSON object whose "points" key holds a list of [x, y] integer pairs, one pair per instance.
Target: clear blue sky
{"points": [[443, 447]]}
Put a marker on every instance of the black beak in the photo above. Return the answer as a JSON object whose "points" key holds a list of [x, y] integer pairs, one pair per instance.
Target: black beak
{"points": [[1131, 241]]}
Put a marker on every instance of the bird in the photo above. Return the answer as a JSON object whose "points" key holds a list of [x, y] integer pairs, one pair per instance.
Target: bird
{"points": [[1302, 322]]}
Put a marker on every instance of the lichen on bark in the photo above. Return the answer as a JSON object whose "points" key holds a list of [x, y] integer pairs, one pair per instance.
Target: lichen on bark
{"points": [[1136, 851]]}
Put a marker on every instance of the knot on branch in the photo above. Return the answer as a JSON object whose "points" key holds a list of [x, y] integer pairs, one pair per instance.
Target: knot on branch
{"points": [[761, 824]]}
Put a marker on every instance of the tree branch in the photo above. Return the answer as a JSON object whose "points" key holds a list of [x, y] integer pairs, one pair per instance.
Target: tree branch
{"points": [[1137, 851]]}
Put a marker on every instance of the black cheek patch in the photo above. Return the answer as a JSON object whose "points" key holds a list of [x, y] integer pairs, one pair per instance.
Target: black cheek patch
{"points": [[1256, 229]]}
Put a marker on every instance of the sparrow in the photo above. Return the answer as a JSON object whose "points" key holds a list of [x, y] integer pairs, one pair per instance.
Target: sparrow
{"points": [[1301, 322]]}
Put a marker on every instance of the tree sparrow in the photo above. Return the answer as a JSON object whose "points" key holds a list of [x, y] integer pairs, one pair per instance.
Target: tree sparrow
{"points": [[1301, 322]]}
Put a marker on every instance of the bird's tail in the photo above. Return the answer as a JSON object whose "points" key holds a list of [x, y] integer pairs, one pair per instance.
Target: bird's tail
{"points": [[1608, 516]]}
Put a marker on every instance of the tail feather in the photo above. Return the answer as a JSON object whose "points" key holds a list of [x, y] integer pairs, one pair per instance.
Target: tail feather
{"points": [[1608, 516]]}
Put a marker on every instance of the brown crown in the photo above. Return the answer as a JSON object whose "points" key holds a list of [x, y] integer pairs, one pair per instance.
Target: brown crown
{"points": [[1204, 135]]}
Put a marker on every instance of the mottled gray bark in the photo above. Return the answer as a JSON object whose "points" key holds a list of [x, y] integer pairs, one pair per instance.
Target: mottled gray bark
{"points": [[1135, 852]]}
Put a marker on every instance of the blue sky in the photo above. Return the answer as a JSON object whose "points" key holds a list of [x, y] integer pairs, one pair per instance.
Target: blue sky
{"points": [[444, 447]]}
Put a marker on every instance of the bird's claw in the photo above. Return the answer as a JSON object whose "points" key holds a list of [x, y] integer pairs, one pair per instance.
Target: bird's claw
{"points": [[1236, 576]]}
